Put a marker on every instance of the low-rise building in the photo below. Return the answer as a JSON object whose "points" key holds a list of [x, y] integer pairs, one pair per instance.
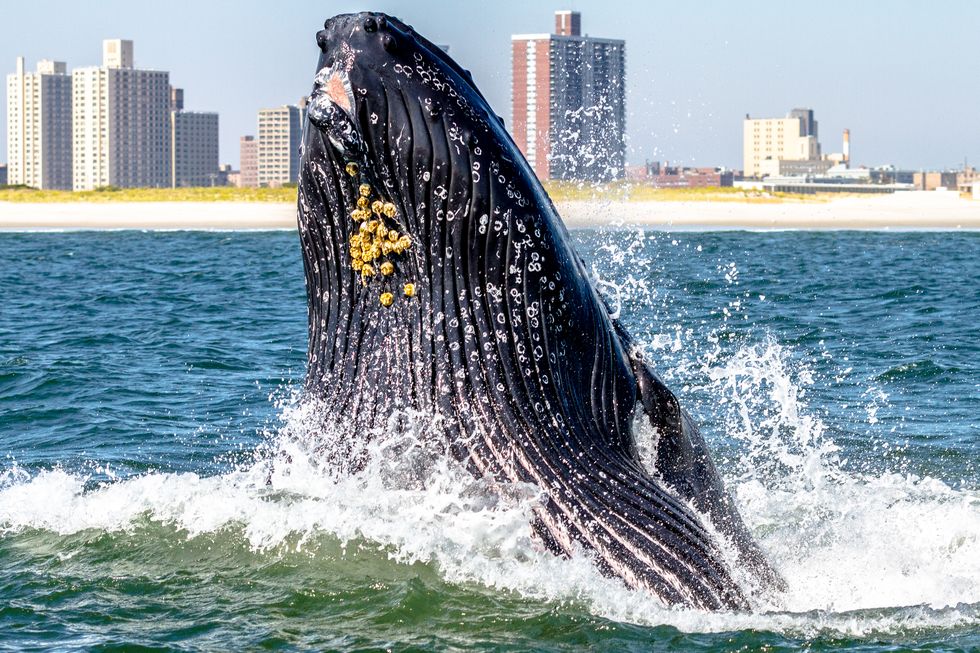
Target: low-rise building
{"points": [[934, 180], [966, 177], [225, 172], [794, 168], [3, 174], [664, 176]]}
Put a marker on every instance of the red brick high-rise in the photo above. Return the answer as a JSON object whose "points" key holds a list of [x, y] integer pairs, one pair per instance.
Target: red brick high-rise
{"points": [[569, 102]]}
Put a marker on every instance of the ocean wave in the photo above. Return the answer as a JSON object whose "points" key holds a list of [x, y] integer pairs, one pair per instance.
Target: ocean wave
{"points": [[862, 554]]}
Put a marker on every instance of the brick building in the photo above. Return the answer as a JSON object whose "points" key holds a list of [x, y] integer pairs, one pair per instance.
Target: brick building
{"points": [[569, 102]]}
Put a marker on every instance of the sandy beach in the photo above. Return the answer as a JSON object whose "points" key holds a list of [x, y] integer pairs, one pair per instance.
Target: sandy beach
{"points": [[911, 210]]}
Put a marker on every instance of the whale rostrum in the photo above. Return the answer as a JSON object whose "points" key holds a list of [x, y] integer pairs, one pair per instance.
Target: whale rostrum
{"points": [[441, 279]]}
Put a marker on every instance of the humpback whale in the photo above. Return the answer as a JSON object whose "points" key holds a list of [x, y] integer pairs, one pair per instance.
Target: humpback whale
{"points": [[441, 279]]}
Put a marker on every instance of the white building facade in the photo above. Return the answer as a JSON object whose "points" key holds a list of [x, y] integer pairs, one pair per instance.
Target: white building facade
{"points": [[770, 144], [121, 127], [279, 138], [39, 143]]}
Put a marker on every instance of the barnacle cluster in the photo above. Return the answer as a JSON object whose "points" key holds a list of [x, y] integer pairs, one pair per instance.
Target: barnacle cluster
{"points": [[377, 241]]}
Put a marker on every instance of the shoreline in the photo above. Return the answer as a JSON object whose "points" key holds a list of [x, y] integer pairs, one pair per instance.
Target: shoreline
{"points": [[901, 211]]}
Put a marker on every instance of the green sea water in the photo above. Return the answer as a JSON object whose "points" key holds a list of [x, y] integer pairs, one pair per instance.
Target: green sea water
{"points": [[156, 492]]}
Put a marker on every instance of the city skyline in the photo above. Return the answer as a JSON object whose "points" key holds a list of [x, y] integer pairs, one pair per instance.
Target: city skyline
{"points": [[901, 80]]}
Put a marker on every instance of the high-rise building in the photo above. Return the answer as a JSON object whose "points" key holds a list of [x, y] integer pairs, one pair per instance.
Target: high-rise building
{"points": [[280, 135], [768, 141], [39, 126], [248, 152], [193, 145], [569, 102], [194, 153], [120, 123]]}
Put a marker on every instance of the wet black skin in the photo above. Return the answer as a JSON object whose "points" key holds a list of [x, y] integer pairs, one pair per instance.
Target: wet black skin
{"points": [[506, 339]]}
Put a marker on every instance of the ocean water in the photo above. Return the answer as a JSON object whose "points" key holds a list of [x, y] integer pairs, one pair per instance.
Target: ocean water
{"points": [[148, 389]]}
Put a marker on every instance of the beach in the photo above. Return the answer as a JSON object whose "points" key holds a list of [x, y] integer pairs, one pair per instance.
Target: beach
{"points": [[910, 210]]}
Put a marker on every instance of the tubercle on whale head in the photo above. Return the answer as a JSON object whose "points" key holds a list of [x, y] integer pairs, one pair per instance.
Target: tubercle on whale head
{"points": [[378, 238]]}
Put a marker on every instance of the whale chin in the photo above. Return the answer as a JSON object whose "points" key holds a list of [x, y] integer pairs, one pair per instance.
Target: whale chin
{"points": [[441, 280]]}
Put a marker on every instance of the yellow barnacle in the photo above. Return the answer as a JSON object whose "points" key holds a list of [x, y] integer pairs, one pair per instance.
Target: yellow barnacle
{"points": [[392, 235], [387, 247], [352, 169], [405, 242], [409, 289], [355, 240], [367, 270], [382, 230], [364, 190], [373, 225], [387, 298], [365, 230], [357, 264], [376, 206], [355, 251], [387, 268], [389, 210], [362, 202]]}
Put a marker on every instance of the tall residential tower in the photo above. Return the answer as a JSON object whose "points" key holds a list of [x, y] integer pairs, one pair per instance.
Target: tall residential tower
{"points": [[120, 123], [39, 126], [194, 144], [569, 102], [280, 135]]}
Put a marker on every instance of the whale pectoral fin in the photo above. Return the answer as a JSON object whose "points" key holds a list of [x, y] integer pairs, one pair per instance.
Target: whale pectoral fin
{"points": [[683, 463]]}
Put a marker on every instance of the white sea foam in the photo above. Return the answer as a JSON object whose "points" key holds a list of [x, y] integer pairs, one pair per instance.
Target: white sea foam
{"points": [[846, 544]]}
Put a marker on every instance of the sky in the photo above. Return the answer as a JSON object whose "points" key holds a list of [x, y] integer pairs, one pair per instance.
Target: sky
{"points": [[903, 76]]}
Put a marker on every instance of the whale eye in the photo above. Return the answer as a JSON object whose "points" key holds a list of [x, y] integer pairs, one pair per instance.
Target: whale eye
{"points": [[370, 25], [321, 40]]}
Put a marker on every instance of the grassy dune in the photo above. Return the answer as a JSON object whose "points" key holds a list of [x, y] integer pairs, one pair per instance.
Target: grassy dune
{"points": [[559, 192], [563, 191], [216, 194]]}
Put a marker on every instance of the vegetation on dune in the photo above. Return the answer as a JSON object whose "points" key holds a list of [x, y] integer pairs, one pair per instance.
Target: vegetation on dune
{"points": [[560, 191], [111, 194], [564, 191]]}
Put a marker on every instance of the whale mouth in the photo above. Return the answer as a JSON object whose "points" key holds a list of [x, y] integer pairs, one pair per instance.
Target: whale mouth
{"points": [[378, 238]]}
